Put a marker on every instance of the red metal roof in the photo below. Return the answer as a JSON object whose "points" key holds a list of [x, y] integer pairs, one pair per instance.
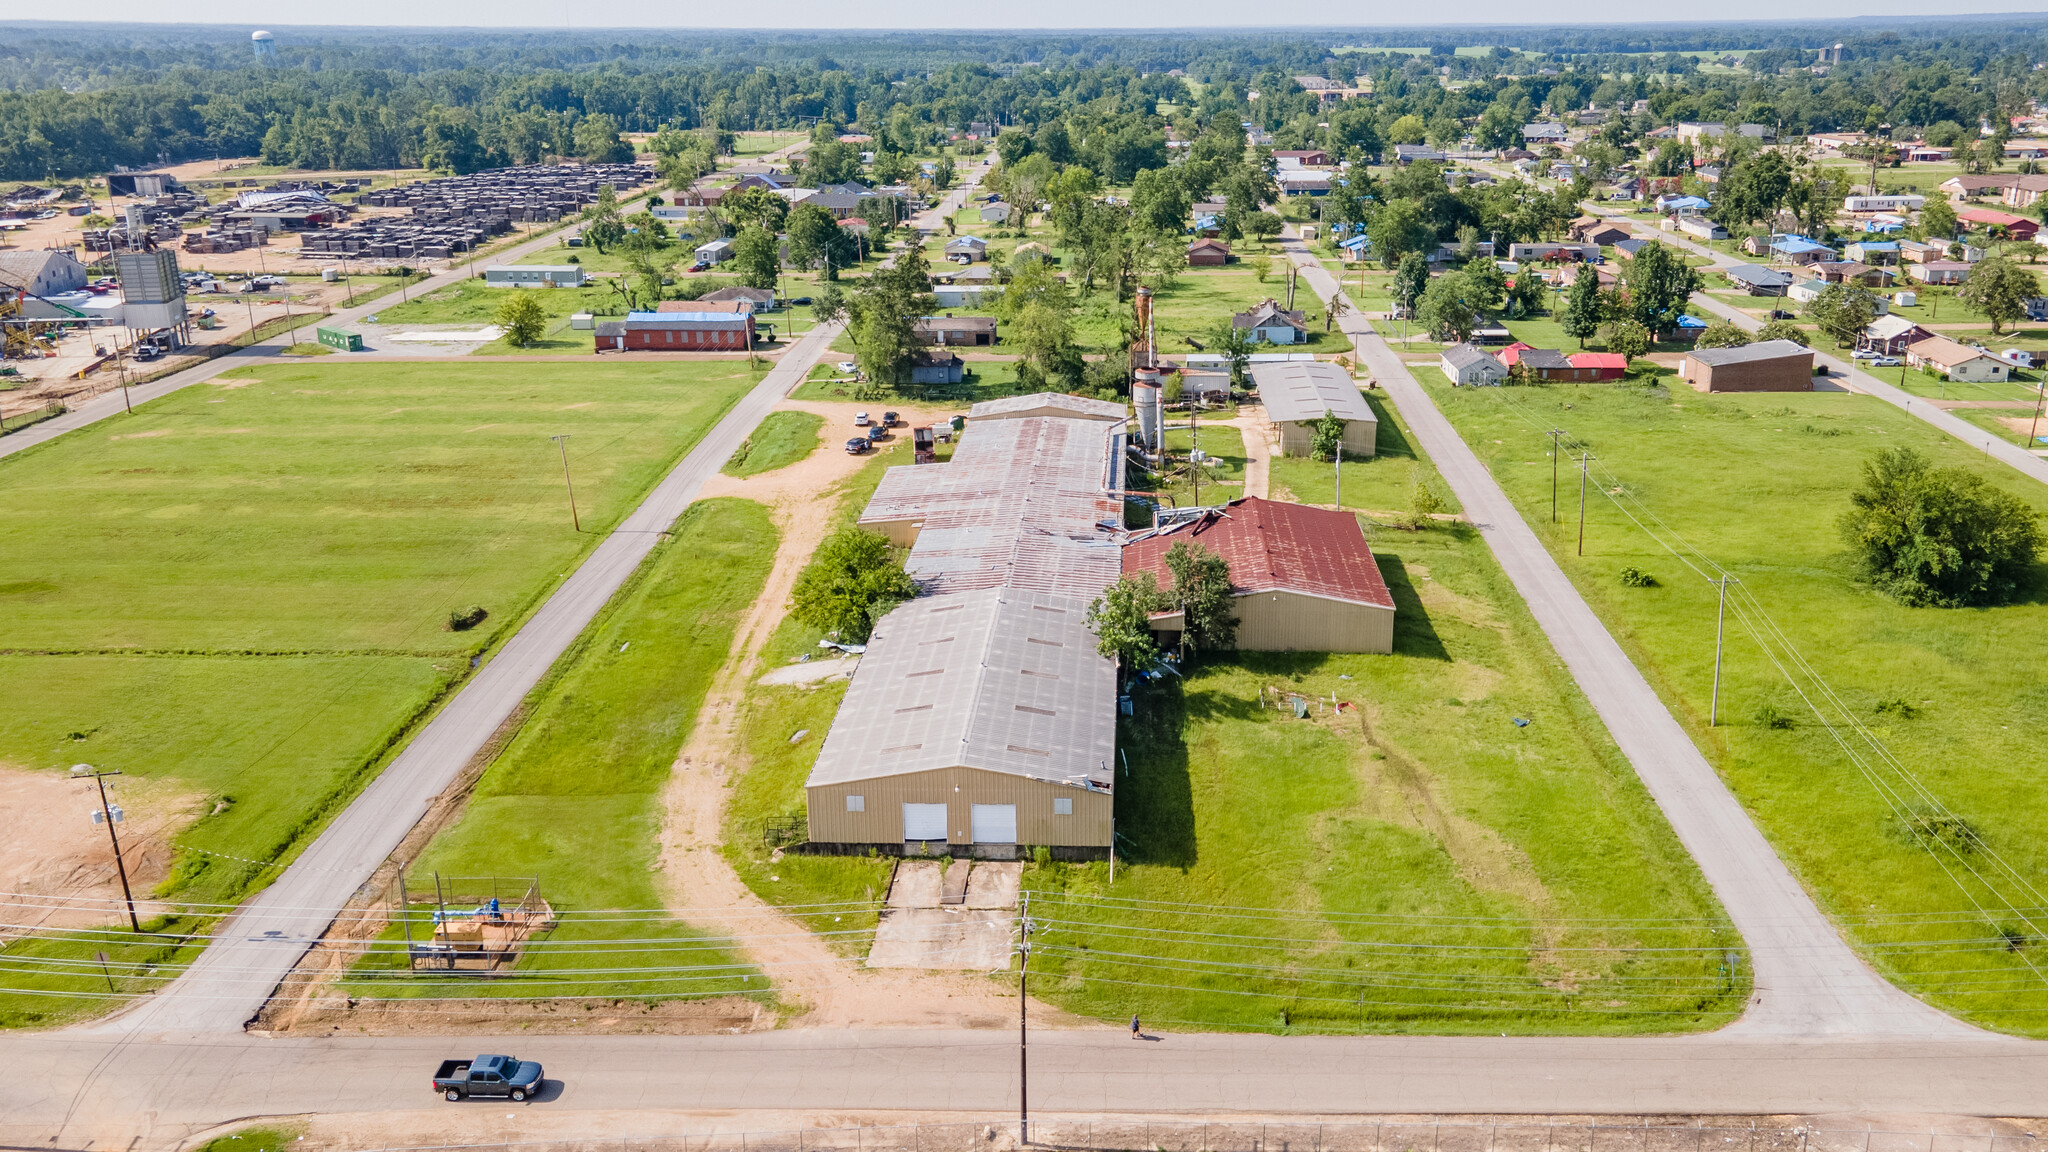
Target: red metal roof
{"points": [[1598, 360], [1275, 547]]}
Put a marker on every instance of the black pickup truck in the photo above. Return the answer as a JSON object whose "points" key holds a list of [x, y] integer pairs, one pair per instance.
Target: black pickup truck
{"points": [[488, 1076]]}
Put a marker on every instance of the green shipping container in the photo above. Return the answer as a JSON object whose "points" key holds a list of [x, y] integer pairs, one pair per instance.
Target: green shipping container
{"points": [[336, 338]]}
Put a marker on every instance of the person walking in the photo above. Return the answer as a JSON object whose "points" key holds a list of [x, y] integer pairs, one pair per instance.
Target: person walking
{"points": [[1134, 1026]]}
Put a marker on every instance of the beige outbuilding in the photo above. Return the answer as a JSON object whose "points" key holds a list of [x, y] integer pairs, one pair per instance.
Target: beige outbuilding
{"points": [[1297, 393]]}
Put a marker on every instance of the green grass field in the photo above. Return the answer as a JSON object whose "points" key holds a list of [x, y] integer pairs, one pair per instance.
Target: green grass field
{"points": [[574, 802], [1756, 483], [284, 546], [782, 439], [1381, 485]]}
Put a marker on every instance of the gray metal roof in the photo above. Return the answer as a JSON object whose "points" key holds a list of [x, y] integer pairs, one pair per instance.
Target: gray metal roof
{"points": [[1000, 679], [1463, 355], [1306, 389], [1756, 274], [1766, 350], [1077, 405]]}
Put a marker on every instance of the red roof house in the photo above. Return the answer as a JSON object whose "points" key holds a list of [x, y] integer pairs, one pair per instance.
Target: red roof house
{"points": [[1303, 579], [2019, 227], [1609, 365]]}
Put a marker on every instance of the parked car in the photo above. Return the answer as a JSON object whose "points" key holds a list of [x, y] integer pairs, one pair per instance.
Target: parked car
{"points": [[878, 433], [506, 1076], [847, 366], [800, 301], [1864, 354], [1886, 362], [890, 420], [860, 420], [1780, 314], [858, 445]]}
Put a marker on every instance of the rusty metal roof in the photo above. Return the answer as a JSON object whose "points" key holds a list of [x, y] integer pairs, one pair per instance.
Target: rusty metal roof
{"points": [[1274, 547]]}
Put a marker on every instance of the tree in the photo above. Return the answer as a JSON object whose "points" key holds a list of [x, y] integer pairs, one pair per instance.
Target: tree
{"points": [[605, 228], [1043, 338], [1411, 279], [1201, 590], [1012, 145], [1584, 307], [1489, 285], [1629, 338], [1424, 502], [1263, 225], [1938, 218], [813, 235], [757, 257], [1843, 311], [828, 304], [1399, 229], [1121, 619], [1234, 344], [2000, 289], [1446, 308], [597, 140], [1722, 335], [883, 313], [1329, 438], [1659, 283], [522, 318], [830, 163], [1938, 537], [1782, 330], [755, 206], [853, 580]]}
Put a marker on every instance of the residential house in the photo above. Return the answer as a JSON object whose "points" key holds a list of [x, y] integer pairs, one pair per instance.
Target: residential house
{"points": [[954, 331], [1539, 135], [966, 249], [1852, 272], [1301, 579], [714, 252], [1959, 362], [995, 213], [1298, 393], [1206, 253], [1626, 249], [1895, 203], [1876, 253], [1700, 228], [2025, 190], [1269, 323], [1924, 154], [1890, 335], [1606, 365], [1968, 187], [1800, 250], [1758, 280], [2017, 227], [1766, 366], [1302, 182], [1467, 364], [1806, 291], [1920, 251], [534, 276], [1405, 154], [1303, 157], [936, 366], [757, 299], [1545, 363], [1553, 249], [1940, 272]]}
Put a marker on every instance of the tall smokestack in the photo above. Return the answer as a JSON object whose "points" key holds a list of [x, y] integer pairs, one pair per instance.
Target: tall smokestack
{"points": [[1143, 356], [1146, 397]]}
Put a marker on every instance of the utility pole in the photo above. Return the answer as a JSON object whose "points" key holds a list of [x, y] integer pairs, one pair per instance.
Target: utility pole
{"points": [[1337, 458], [1554, 433], [110, 815], [562, 442], [1023, 1037], [2033, 434], [1583, 458], [1720, 629]]}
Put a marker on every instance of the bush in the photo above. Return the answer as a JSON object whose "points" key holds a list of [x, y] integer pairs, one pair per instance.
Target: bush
{"points": [[1634, 577], [1783, 330], [1769, 716], [853, 580], [1722, 335], [1938, 537], [463, 619]]}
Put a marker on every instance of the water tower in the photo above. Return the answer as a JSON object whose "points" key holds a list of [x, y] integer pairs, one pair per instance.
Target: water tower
{"points": [[263, 44]]}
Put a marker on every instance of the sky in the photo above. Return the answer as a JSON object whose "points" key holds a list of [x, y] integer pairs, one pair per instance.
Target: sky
{"points": [[1307, 15]]}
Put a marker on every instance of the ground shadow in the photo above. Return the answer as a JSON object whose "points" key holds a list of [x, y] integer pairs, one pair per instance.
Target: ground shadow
{"points": [[1155, 798], [1389, 438], [1414, 632]]}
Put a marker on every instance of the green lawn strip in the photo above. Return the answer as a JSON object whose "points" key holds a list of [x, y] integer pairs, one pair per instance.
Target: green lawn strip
{"points": [[1784, 466], [473, 303], [1435, 867], [267, 1138], [336, 506], [783, 438], [574, 802], [1384, 483]]}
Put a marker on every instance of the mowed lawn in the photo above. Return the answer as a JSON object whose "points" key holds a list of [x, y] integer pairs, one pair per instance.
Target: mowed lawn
{"points": [[245, 587], [573, 805], [1943, 902]]}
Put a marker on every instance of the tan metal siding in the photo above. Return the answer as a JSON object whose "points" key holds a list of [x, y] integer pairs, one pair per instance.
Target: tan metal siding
{"points": [[1290, 622], [1361, 438], [959, 789]]}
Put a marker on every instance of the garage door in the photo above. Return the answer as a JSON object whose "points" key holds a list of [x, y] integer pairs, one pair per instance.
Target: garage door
{"points": [[924, 821], [995, 823]]}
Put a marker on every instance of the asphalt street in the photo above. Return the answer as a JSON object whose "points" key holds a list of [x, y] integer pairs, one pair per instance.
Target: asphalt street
{"points": [[1808, 980]]}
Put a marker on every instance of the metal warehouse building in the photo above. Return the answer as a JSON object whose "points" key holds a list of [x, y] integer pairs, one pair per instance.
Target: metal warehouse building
{"points": [[1298, 393], [981, 718]]}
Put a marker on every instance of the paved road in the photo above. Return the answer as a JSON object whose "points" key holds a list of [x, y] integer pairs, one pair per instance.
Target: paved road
{"points": [[260, 943], [1808, 981], [1852, 370], [71, 1091], [112, 403]]}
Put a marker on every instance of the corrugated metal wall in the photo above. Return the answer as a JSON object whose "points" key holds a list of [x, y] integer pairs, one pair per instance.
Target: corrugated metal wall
{"points": [[1361, 438], [882, 800], [1290, 622]]}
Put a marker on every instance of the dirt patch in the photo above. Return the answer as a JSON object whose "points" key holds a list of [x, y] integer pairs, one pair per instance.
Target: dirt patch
{"points": [[337, 1013], [63, 875], [810, 672], [149, 435]]}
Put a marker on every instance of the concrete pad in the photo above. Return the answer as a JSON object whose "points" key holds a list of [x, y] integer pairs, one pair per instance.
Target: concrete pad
{"points": [[942, 938], [811, 672], [917, 884], [482, 335], [994, 884]]}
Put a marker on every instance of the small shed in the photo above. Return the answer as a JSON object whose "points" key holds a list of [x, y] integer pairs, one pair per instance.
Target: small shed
{"points": [[996, 213], [1208, 253], [1768, 366], [936, 366], [716, 252], [1298, 393], [1469, 364]]}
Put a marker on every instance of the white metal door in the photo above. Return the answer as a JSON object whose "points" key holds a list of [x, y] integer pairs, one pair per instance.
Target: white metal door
{"points": [[995, 823], [924, 822]]}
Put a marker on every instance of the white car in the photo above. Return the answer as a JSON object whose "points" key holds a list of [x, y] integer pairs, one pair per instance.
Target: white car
{"points": [[846, 366], [1863, 354], [1886, 362]]}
